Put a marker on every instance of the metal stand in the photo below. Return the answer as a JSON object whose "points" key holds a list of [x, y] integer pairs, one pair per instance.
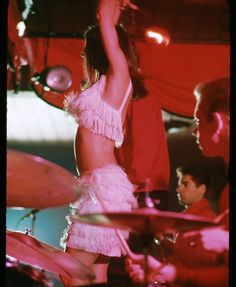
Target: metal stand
{"points": [[33, 216], [147, 239]]}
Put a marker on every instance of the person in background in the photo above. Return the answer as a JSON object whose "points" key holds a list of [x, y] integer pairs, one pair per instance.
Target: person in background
{"points": [[212, 118], [144, 153], [111, 78], [194, 184]]}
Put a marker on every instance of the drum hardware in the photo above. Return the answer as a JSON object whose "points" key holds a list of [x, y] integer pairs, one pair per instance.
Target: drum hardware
{"points": [[28, 250], [147, 222], [143, 197], [11, 262], [145, 200], [158, 242], [18, 274]]}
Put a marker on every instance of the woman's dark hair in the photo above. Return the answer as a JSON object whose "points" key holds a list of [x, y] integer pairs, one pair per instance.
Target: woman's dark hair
{"points": [[97, 59]]}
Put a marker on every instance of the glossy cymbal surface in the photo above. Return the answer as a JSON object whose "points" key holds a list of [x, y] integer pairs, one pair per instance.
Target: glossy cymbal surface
{"points": [[34, 182], [146, 220], [27, 249]]}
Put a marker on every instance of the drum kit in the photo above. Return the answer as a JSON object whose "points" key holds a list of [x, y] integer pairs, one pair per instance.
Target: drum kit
{"points": [[33, 182]]}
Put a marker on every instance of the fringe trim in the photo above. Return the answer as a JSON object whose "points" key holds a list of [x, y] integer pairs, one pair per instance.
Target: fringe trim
{"points": [[91, 112]]}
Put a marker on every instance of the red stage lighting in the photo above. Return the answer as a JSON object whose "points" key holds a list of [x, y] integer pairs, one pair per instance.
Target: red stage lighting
{"points": [[158, 36]]}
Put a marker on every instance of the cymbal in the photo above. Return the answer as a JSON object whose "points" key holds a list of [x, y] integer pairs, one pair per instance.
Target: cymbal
{"points": [[146, 220], [28, 249], [34, 182]]}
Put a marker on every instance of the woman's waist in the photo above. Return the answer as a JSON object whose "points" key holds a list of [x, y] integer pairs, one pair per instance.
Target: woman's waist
{"points": [[89, 158], [88, 165], [93, 151]]}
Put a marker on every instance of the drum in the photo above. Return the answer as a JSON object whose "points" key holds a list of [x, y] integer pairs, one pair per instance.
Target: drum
{"points": [[24, 275], [113, 284], [126, 284]]}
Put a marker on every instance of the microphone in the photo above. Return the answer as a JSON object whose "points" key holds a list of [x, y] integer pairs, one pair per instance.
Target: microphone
{"points": [[31, 213]]}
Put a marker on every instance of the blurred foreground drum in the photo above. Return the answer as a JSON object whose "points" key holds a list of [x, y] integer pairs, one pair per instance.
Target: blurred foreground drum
{"points": [[111, 284], [29, 250], [34, 182], [21, 275], [126, 284]]}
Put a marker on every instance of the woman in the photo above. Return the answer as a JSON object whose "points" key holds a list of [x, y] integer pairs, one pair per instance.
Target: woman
{"points": [[111, 78], [212, 131]]}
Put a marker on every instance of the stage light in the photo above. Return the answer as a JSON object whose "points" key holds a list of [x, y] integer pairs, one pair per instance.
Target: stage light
{"points": [[57, 79], [158, 36]]}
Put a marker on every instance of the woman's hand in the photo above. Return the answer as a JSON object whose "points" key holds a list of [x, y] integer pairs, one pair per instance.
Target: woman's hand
{"points": [[121, 5], [113, 8], [126, 3]]}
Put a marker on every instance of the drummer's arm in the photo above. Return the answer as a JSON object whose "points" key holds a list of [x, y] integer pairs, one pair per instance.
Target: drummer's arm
{"points": [[215, 239], [173, 273], [135, 265], [207, 277], [212, 276]]}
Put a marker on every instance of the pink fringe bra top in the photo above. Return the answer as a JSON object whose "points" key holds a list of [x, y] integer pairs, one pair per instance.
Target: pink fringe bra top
{"points": [[92, 112]]}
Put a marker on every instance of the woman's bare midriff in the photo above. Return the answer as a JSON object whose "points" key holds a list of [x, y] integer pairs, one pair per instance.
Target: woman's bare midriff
{"points": [[92, 151]]}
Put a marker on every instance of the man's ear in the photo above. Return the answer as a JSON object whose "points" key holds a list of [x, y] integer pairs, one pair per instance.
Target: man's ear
{"points": [[218, 122], [202, 187]]}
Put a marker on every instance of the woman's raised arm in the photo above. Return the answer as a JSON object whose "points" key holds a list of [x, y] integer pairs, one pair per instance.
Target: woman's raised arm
{"points": [[108, 12]]}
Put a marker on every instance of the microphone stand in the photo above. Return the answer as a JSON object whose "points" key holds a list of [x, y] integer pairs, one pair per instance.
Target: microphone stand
{"points": [[33, 223], [31, 214]]}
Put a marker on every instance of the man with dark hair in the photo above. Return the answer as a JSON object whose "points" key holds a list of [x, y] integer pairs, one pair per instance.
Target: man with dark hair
{"points": [[194, 184]]}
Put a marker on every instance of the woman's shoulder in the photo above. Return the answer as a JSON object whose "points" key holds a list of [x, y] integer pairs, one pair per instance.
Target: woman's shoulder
{"points": [[90, 89], [74, 98]]}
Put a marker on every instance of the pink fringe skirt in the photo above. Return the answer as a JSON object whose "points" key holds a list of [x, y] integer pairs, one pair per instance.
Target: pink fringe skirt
{"points": [[110, 184]]}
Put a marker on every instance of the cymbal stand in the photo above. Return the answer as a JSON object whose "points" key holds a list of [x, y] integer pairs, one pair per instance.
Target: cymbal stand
{"points": [[147, 239], [144, 200], [148, 200]]}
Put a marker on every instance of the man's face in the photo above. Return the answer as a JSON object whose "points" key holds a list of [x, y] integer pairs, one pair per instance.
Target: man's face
{"points": [[187, 191], [204, 130]]}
